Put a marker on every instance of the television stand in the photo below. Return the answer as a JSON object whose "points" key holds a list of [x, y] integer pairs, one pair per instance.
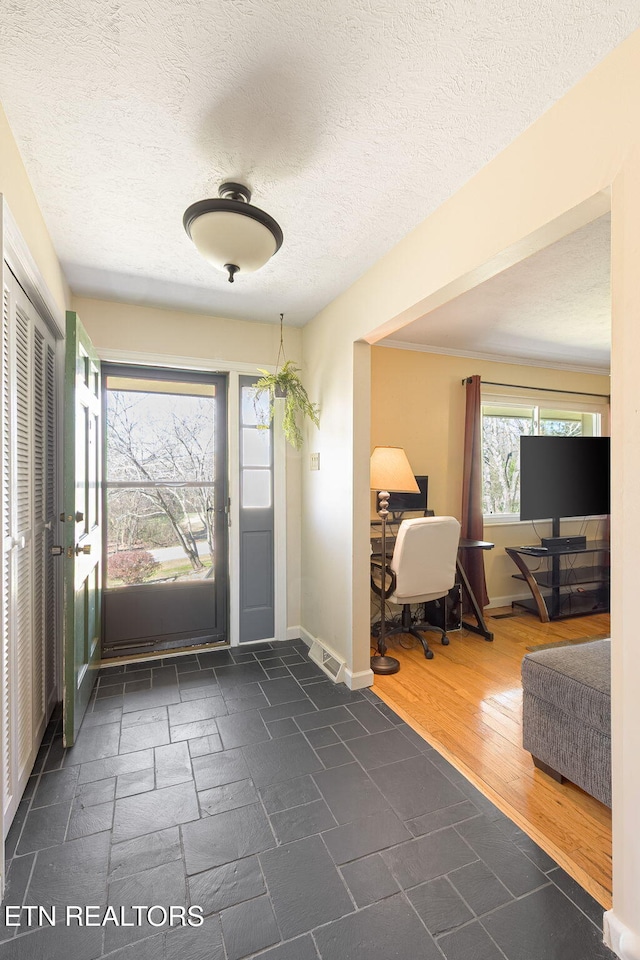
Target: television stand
{"points": [[570, 581]]}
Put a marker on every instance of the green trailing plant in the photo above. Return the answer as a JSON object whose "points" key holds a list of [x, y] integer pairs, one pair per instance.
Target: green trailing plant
{"points": [[287, 384], [284, 383]]}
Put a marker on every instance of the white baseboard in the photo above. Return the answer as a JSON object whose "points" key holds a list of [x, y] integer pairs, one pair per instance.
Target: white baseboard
{"points": [[624, 942], [330, 662], [319, 651], [295, 633], [306, 636], [359, 680]]}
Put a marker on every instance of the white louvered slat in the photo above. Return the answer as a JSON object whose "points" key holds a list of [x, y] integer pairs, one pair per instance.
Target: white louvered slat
{"points": [[23, 716], [22, 616], [38, 631], [22, 426], [39, 428], [7, 525], [28, 474], [8, 780], [39, 468]]}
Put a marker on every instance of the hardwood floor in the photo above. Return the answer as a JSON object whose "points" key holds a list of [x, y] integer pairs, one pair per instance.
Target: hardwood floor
{"points": [[467, 702]]}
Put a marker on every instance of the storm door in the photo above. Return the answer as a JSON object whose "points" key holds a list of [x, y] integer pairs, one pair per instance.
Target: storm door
{"points": [[166, 509]]}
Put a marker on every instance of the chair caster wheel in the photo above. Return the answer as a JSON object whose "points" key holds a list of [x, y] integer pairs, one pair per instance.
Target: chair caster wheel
{"points": [[428, 654], [445, 641]]}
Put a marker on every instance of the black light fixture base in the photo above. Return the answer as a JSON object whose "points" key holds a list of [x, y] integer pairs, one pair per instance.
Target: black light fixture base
{"points": [[234, 191], [384, 664]]}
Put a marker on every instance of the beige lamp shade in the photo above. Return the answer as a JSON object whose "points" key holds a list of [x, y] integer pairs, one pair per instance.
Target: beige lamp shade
{"points": [[390, 470]]}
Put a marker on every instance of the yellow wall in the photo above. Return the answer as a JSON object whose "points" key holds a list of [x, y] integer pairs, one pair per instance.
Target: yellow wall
{"points": [[136, 329], [418, 402], [17, 191], [586, 143]]}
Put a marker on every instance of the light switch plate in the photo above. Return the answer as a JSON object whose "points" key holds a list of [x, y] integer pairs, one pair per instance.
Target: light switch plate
{"points": [[315, 461]]}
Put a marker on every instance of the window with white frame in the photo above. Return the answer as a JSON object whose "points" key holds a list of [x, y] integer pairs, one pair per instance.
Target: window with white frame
{"points": [[505, 418]]}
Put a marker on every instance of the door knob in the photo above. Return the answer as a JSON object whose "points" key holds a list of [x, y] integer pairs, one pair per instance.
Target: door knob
{"points": [[86, 549], [79, 516], [56, 551]]}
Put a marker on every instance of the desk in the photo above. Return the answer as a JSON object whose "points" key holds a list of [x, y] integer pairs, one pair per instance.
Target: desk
{"points": [[480, 627]]}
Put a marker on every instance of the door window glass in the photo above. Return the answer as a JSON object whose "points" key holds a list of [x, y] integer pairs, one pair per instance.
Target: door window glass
{"points": [[160, 480]]}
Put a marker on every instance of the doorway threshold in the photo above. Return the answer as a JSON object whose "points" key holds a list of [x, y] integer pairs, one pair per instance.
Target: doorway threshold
{"points": [[162, 654]]}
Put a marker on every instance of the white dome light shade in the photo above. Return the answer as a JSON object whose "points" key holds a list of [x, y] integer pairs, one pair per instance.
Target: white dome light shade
{"points": [[230, 233], [223, 237]]}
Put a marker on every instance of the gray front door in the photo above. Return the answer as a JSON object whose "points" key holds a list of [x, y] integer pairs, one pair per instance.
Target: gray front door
{"points": [[166, 509]]}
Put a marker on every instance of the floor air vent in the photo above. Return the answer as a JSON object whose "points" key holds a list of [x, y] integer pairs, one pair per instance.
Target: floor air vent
{"points": [[329, 661]]}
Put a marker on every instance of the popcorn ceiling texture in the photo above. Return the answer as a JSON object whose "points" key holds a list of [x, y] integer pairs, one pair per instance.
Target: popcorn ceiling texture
{"points": [[555, 305], [351, 122]]}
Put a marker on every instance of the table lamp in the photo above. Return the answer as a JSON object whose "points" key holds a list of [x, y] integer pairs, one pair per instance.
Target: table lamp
{"points": [[390, 472]]}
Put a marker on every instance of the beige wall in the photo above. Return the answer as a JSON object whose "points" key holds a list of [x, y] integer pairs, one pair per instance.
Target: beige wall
{"points": [[190, 338], [418, 402], [583, 145], [18, 192], [136, 329]]}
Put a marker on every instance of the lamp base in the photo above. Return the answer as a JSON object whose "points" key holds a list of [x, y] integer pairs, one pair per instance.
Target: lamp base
{"points": [[384, 664]]}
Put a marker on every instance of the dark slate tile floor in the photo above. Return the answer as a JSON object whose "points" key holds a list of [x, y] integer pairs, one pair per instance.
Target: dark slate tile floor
{"points": [[308, 822]]}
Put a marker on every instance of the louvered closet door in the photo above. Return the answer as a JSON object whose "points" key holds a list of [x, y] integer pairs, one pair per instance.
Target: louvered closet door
{"points": [[8, 778], [28, 481]]}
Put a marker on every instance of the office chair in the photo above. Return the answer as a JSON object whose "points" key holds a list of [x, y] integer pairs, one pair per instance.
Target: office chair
{"points": [[422, 568]]}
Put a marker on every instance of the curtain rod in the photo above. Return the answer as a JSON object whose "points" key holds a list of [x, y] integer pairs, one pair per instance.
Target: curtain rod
{"points": [[519, 386]]}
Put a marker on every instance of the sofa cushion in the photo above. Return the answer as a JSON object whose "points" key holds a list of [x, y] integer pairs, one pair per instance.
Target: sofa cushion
{"points": [[575, 678]]}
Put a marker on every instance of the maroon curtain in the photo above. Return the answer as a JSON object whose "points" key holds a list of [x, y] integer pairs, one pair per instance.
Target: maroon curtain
{"points": [[472, 519]]}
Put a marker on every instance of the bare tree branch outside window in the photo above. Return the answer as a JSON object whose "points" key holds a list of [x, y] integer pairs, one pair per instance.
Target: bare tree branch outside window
{"points": [[168, 439], [501, 432]]}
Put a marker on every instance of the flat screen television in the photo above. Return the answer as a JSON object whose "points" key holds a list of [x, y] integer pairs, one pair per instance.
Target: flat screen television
{"points": [[563, 477], [405, 502]]}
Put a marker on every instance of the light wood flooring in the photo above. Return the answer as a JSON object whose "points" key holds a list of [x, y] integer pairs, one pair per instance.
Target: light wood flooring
{"points": [[467, 702]]}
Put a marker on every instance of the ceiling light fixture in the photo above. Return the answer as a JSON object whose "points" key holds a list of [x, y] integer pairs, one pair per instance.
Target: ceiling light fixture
{"points": [[230, 233]]}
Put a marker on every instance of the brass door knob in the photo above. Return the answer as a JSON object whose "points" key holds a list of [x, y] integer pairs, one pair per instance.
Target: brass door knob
{"points": [[86, 549]]}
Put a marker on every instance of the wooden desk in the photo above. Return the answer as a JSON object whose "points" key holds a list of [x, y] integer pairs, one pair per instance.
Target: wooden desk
{"points": [[480, 626]]}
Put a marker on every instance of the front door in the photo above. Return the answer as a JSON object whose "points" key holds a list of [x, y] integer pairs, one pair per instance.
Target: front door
{"points": [[82, 525], [166, 509]]}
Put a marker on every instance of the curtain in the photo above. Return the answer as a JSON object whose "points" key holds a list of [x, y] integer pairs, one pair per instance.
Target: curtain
{"points": [[472, 518]]}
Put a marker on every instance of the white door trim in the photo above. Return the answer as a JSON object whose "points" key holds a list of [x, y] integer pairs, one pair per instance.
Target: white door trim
{"points": [[17, 255]]}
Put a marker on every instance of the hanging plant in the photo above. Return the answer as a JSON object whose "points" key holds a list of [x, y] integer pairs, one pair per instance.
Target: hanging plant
{"points": [[285, 383]]}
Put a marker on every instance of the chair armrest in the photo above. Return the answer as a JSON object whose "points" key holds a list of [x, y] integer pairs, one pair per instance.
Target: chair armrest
{"points": [[376, 587]]}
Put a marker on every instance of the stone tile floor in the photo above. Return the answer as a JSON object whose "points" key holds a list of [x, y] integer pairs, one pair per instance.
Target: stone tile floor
{"points": [[305, 820]]}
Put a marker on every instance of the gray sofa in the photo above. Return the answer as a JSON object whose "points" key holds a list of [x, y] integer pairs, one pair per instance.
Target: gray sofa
{"points": [[567, 714]]}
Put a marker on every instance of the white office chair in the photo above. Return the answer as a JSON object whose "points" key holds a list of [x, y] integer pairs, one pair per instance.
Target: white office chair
{"points": [[423, 568]]}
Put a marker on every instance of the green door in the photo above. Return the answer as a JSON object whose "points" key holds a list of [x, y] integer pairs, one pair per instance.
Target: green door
{"points": [[82, 525]]}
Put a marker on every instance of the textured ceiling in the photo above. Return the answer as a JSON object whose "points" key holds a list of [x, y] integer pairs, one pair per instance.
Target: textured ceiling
{"points": [[555, 306], [351, 122]]}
